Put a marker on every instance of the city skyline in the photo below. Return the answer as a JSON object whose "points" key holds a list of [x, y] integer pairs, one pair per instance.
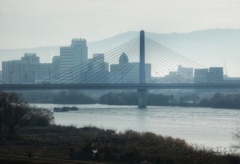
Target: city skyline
{"points": [[29, 23], [158, 69], [29, 70]]}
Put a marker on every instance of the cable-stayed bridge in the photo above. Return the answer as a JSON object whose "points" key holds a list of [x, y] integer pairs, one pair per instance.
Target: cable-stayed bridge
{"points": [[127, 67]]}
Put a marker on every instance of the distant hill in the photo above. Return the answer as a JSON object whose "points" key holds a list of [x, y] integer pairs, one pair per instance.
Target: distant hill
{"points": [[207, 47]]}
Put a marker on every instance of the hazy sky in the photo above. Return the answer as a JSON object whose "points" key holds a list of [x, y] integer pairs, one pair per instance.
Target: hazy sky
{"points": [[33, 23]]}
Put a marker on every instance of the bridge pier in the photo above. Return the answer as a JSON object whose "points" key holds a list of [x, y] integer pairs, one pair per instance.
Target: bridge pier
{"points": [[141, 92], [142, 98]]}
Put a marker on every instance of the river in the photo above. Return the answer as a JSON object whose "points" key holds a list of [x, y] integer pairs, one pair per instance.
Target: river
{"points": [[202, 126]]}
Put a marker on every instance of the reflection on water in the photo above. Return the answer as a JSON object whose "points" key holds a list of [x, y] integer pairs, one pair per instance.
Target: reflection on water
{"points": [[204, 126]]}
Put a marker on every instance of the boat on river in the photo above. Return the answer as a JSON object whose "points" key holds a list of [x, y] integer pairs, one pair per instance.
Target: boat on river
{"points": [[65, 109]]}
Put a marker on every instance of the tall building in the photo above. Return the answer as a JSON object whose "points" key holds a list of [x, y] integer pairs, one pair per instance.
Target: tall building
{"points": [[127, 72], [31, 58], [215, 74], [11, 72], [28, 70], [172, 77], [97, 69], [201, 75], [73, 61], [55, 69], [211, 75], [185, 74]]}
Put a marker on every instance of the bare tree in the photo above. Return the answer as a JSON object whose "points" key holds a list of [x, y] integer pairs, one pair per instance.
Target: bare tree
{"points": [[236, 137], [13, 113]]}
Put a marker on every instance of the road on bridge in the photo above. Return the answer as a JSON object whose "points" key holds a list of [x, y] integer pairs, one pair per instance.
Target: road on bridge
{"points": [[5, 87]]}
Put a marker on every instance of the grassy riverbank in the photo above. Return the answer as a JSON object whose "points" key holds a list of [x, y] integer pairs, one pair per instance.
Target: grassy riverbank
{"points": [[71, 143]]}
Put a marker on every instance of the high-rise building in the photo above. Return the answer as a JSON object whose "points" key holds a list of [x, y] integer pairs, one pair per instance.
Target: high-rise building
{"points": [[211, 75], [28, 70], [172, 77], [185, 74], [56, 69], [98, 62], [31, 58], [11, 71], [97, 69], [201, 75], [73, 61], [127, 72], [215, 74]]}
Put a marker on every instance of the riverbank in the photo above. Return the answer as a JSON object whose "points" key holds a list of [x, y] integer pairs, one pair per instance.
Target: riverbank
{"points": [[71, 143], [192, 99], [203, 126]]}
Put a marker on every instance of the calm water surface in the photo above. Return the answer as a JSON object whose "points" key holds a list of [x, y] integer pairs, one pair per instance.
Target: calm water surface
{"points": [[202, 126]]}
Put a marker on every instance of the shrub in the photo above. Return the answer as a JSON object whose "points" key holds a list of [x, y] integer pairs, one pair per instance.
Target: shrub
{"points": [[41, 117]]}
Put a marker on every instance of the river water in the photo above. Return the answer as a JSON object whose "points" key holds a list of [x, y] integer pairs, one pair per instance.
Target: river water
{"points": [[202, 126]]}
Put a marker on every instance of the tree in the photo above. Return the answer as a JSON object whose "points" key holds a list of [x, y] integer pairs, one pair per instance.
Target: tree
{"points": [[73, 97], [122, 98], [159, 99], [15, 113], [236, 137]]}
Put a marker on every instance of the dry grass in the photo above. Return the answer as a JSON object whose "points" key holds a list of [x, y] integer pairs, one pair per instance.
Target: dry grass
{"points": [[58, 142]]}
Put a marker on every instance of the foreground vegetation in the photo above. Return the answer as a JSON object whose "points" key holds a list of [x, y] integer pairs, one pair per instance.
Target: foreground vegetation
{"points": [[30, 132], [15, 114], [71, 143]]}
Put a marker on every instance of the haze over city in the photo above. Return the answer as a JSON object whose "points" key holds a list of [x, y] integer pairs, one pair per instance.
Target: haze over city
{"points": [[28, 24]]}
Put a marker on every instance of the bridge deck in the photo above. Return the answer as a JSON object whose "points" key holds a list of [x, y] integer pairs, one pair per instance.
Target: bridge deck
{"points": [[120, 86]]}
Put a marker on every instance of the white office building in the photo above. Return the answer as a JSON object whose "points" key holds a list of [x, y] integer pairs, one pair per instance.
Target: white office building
{"points": [[97, 69], [185, 74], [73, 61], [28, 70]]}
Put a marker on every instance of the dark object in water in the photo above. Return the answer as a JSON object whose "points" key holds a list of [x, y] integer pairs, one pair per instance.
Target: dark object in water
{"points": [[65, 109]]}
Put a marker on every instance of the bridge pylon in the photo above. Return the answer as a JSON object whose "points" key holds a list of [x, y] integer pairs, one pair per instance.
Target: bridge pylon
{"points": [[142, 93]]}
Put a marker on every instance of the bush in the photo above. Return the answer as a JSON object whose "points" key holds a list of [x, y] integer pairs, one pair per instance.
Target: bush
{"points": [[41, 117]]}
